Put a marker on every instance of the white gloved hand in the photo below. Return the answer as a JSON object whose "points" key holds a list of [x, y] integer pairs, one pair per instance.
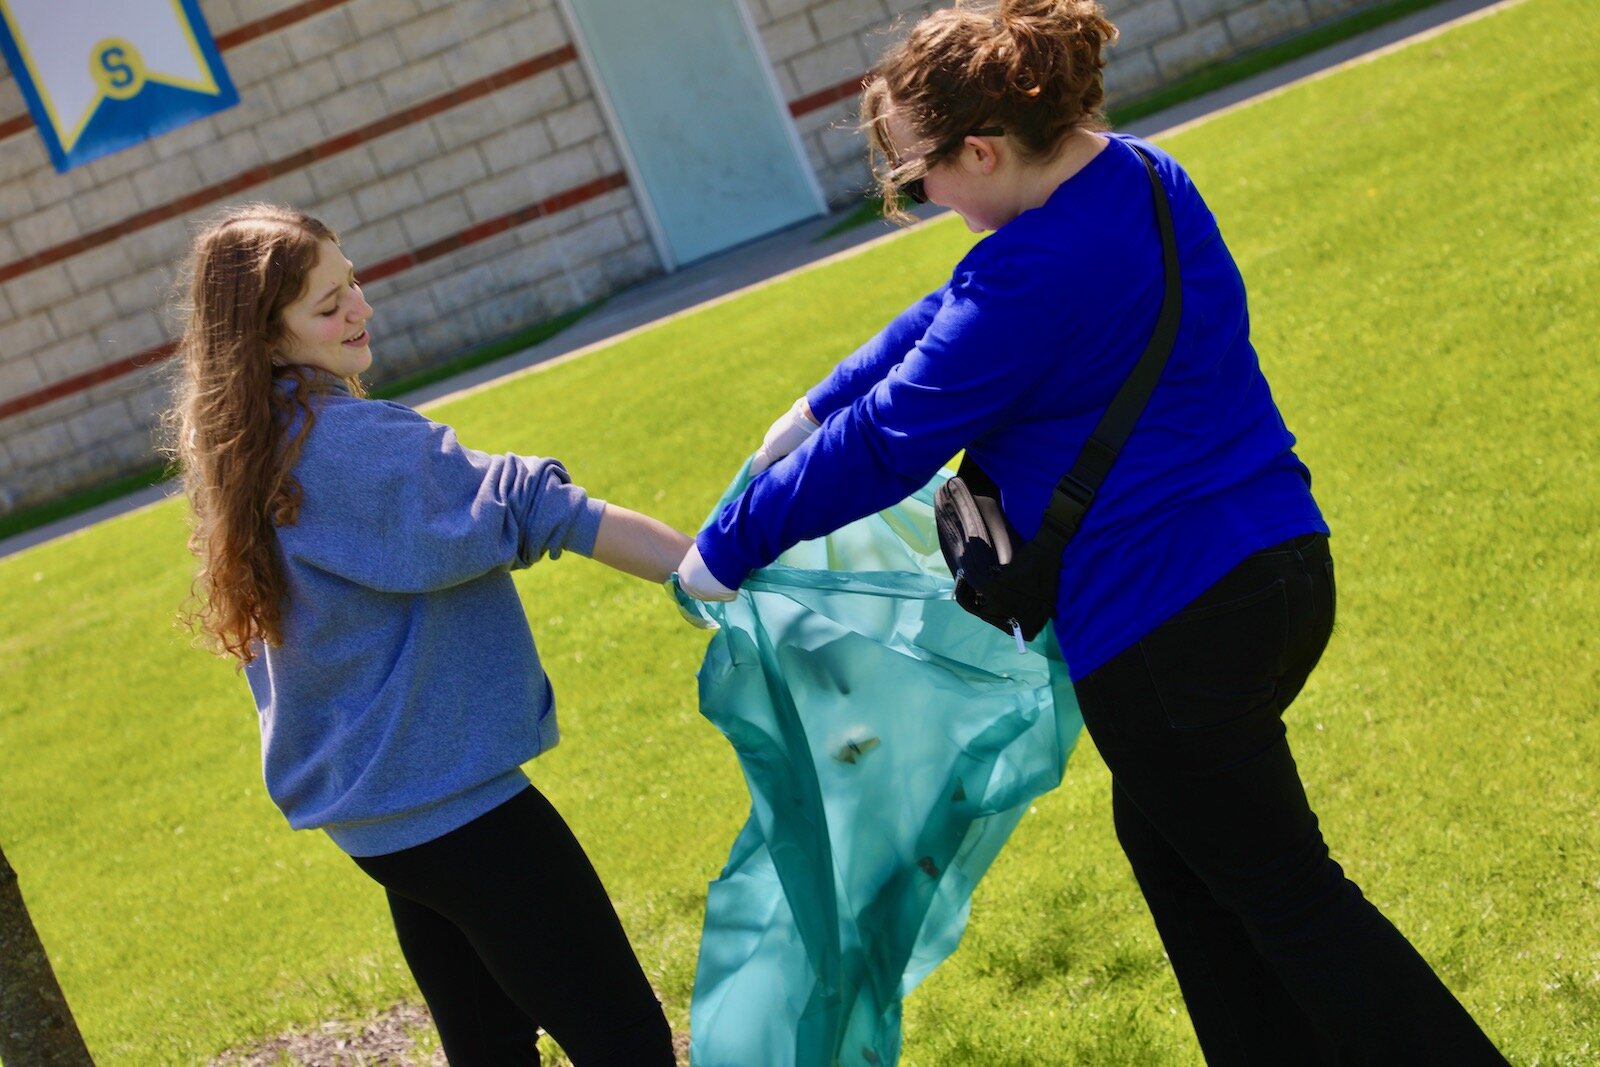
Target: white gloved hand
{"points": [[696, 578], [786, 435]]}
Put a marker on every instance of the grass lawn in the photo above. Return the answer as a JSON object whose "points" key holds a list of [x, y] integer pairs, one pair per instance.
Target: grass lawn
{"points": [[1421, 236]]}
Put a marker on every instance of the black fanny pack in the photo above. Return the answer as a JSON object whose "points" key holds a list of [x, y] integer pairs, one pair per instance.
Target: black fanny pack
{"points": [[1012, 584]]}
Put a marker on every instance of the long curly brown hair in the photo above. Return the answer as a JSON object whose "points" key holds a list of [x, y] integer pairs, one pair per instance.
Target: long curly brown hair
{"points": [[227, 428], [1032, 67]]}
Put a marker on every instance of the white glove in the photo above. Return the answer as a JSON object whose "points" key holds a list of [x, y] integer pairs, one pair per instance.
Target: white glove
{"points": [[697, 580], [786, 435]]}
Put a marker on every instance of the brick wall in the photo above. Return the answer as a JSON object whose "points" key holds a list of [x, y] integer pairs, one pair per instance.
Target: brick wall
{"points": [[458, 147]]}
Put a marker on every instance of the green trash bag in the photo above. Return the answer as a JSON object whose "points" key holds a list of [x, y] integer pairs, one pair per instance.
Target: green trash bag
{"points": [[891, 742]]}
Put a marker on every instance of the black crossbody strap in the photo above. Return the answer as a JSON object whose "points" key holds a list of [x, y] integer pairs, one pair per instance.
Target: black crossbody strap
{"points": [[1076, 489]]}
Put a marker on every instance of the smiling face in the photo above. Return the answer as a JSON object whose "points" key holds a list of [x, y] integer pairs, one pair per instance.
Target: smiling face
{"points": [[326, 326]]}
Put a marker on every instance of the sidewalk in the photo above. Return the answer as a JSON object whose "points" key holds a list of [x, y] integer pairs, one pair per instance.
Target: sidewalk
{"points": [[764, 261]]}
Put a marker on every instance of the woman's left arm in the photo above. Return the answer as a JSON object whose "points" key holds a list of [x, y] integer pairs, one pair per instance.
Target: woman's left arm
{"points": [[868, 365], [849, 380], [393, 501]]}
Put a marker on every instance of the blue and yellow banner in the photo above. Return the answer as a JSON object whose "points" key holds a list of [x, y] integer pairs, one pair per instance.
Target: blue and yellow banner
{"points": [[101, 75]]}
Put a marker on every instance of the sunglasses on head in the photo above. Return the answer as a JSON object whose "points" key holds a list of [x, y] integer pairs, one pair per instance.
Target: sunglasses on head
{"points": [[914, 190]]}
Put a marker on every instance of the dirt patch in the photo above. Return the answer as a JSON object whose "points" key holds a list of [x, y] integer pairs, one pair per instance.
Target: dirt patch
{"points": [[390, 1040]]}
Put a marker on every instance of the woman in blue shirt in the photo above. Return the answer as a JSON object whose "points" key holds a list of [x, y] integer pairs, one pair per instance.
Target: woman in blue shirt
{"points": [[1197, 595]]}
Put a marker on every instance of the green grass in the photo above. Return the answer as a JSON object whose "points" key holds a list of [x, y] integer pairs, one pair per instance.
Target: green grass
{"points": [[1420, 237], [869, 210], [1235, 69]]}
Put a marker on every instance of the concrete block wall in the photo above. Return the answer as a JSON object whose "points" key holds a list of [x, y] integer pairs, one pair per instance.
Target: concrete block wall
{"points": [[461, 151], [1162, 40], [456, 145], [821, 49]]}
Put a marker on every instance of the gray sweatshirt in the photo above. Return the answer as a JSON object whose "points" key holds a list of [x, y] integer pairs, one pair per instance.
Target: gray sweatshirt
{"points": [[407, 691]]}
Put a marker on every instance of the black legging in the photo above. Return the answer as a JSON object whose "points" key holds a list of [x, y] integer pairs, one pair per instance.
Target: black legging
{"points": [[1280, 958], [507, 929]]}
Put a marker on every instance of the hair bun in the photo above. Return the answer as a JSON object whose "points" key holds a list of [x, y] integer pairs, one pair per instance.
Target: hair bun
{"points": [[1030, 66]]}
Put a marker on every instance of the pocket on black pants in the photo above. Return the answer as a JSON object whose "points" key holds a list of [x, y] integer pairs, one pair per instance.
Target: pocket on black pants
{"points": [[1217, 662]]}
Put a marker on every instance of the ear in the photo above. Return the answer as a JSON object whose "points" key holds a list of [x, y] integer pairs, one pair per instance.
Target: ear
{"points": [[981, 154]]}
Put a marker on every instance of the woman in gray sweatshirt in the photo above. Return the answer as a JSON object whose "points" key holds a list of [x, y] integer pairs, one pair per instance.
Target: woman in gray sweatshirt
{"points": [[356, 559]]}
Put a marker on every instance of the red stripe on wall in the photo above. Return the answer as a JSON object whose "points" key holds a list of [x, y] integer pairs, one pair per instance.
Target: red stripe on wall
{"points": [[69, 386], [550, 205], [267, 171], [822, 98], [261, 27]]}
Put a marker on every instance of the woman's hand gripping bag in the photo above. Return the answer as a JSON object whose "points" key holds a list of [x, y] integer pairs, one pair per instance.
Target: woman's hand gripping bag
{"points": [[890, 742]]}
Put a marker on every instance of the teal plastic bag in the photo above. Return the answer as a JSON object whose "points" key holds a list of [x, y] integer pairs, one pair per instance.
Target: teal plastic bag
{"points": [[891, 742]]}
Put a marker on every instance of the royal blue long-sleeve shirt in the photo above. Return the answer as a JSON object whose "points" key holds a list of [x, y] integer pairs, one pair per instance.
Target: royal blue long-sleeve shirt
{"points": [[407, 691], [1015, 359]]}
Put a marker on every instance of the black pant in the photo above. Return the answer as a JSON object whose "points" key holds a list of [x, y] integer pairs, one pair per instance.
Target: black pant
{"points": [[507, 929], [1280, 958]]}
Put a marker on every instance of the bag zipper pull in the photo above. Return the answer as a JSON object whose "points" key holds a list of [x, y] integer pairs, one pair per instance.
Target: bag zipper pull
{"points": [[1016, 631]]}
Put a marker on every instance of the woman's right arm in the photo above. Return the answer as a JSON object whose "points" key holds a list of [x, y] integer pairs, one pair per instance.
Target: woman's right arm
{"points": [[851, 379], [638, 545]]}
